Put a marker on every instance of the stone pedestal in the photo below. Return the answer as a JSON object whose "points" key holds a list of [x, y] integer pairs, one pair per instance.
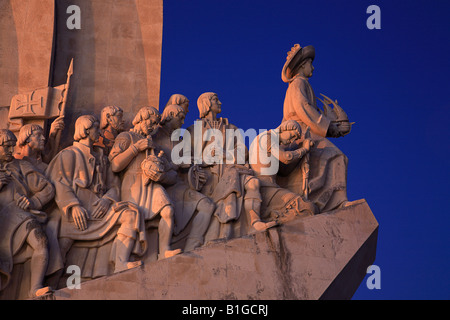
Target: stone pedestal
{"points": [[321, 257]]}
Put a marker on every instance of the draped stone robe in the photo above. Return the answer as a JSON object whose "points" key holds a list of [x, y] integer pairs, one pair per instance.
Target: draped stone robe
{"points": [[328, 165], [226, 182], [82, 177], [149, 196], [185, 199]]}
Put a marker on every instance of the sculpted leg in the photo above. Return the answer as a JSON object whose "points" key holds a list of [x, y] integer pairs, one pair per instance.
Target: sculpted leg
{"points": [[213, 230], [165, 230], [200, 224], [252, 205], [39, 261], [124, 242]]}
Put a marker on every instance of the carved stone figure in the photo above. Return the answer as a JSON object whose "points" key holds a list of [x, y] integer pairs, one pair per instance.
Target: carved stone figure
{"points": [[270, 150], [229, 185], [23, 192], [32, 144], [179, 100], [142, 171], [300, 105], [88, 196], [187, 200], [111, 124]]}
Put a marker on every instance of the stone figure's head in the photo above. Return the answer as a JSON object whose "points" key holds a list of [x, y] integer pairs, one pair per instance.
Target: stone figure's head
{"points": [[112, 116], [7, 143], [298, 61], [175, 114], [180, 100], [289, 131], [146, 121], [87, 126], [209, 101], [33, 136]]}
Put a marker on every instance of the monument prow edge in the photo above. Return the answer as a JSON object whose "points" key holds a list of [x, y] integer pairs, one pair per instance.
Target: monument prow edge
{"points": [[320, 257]]}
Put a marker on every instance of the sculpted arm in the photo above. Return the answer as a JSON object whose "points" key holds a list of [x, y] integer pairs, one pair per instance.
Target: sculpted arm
{"points": [[306, 110], [287, 157], [42, 190], [122, 153], [61, 172]]}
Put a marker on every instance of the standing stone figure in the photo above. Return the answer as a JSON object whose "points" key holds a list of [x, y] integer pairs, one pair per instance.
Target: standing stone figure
{"points": [[32, 142], [88, 196], [143, 173], [187, 200], [328, 176], [111, 125], [23, 191], [230, 185], [268, 153]]}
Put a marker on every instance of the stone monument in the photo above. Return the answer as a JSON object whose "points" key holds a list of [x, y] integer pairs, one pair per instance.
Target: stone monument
{"points": [[102, 198]]}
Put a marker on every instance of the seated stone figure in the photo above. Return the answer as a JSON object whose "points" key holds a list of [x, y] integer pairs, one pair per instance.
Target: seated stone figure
{"points": [[143, 172], [23, 191], [268, 152], [88, 197], [230, 184], [189, 204]]}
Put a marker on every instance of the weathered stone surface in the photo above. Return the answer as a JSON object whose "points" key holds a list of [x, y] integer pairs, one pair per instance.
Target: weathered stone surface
{"points": [[116, 52], [117, 56], [26, 33], [319, 257]]}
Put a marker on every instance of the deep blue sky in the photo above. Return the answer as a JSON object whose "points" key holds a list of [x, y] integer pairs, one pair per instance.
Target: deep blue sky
{"points": [[393, 82]]}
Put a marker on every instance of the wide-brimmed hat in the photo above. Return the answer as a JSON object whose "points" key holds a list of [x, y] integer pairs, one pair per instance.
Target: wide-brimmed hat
{"points": [[295, 57]]}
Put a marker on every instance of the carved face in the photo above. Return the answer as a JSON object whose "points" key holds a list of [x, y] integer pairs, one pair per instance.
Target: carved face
{"points": [[94, 132], [148, 126], [37, 141], [216, 105], [116, 121], [6, 151], [286, 137], [178, 120], [307, 69], [185, 106]]}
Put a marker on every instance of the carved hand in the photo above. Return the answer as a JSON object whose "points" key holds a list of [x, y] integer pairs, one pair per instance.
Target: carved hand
{"points": [[144, 144], [155, 175], [308, 144], [333, 130], [23, 203], [57, 125], [344, 127], [102, 208], [80, 215], [202, 176]]}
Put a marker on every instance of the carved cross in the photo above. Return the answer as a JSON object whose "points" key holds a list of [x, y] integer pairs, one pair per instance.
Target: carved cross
{"points": [[28, 105]]}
